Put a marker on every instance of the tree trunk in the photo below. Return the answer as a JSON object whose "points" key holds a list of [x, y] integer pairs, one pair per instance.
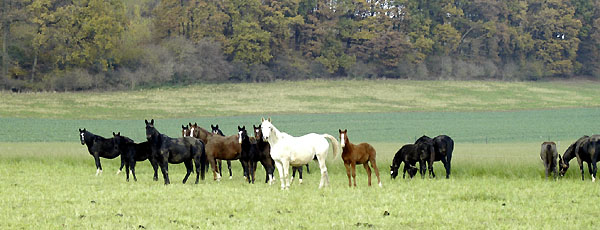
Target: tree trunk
{"points": [[5, 28], [35, 58]]}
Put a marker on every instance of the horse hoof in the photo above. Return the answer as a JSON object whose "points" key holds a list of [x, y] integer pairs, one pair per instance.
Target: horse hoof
{"points": [[118, 172], [380, 185], [300, 181], [230, 177]]}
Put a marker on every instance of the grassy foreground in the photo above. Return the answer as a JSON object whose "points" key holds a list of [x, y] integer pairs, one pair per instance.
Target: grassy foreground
{"points": [[58, 190], [319, 96]]}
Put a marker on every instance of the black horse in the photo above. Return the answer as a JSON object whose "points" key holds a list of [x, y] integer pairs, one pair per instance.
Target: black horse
{"points": [[215, 130], [563, 161], [249, 154], [426, 154], [165, 150], [100, 147], [264, 154], [443, 146], [588, 150], [133, 152], [407, 155]]}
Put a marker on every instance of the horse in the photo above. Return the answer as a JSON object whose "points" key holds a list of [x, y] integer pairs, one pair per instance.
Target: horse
{"points": [[248, 155], [563, 161], [287, 150], [426, 153], [215, 130], [264, 154], [588, 150], [442, 151], [548, 154], [362, 153], [99, 146], [407, 154], [218, 147], [165, 150], [133, 152]]}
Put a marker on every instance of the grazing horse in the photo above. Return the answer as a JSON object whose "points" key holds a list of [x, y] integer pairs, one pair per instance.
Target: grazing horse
{"points": [[165, 150], [443, 146], [287, 150], [426, 153], [548, 154], [133, 152], [100, 147], [362, 153], [407, 154], [563, 161], [588, 150], [264, 154]]}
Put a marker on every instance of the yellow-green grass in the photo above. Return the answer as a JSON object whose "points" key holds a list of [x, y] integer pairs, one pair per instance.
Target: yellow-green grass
{"points": [[58, 190], [316, 96]]}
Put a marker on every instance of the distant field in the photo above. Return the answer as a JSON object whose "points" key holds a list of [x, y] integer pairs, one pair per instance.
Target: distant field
{"points": [[319, 96]]}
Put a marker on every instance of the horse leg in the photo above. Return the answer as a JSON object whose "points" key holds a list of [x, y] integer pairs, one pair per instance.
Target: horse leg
{"points": [[199, 168], [155, 167], [280, 170], [422, 168], [123, 159], [98, 165], [219, 163], [294, 169], [307, 169], [286, 173], [164, 167], [133, 170], [126, 169], [348, 173], [324, 176], [353, 165], [254, 164], [299, 175], [590, 170], [366, 165], [446, 166], [229, 167], [374, 165], [189, 167]]}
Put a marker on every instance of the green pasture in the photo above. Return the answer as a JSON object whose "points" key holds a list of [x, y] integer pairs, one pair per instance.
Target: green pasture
{"points": [[47, 176]]}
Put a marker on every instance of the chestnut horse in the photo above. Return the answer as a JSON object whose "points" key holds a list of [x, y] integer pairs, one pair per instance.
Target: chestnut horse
{"points": [[218, 147], [548, 155], [202, 134], [362, 153]]}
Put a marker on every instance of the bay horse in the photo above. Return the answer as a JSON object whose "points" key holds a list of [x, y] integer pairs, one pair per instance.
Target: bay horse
{"points": [[588, 151], [264, 154], [99, 146], [407, 154], [133, 152], [362, 153], [288, 150], [548, 155], [248, 156], [563, 161], [215, 130], [165, 150], [218, 147]]}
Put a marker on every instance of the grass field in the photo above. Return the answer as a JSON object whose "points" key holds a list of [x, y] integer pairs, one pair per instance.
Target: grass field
{"points": [[48, 182]]}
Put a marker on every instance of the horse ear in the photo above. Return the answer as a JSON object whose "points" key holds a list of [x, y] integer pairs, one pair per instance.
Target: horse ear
{"points": [[80, 130], [189, 123], [182, 127], [244, 127], [152, 121], [269, 119], [119, 134], [339, 130], [195, 124], [262, 120], [114, 134], [345, 130]]}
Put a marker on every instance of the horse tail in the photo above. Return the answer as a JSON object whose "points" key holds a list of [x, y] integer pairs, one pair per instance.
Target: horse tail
{"points": [[203, 161], [334, 142]]}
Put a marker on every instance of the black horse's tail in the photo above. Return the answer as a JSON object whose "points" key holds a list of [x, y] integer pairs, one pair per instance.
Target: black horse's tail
{"points": [[203, 160]]}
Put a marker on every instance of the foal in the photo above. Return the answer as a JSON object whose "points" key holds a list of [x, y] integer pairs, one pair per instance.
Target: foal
{"points": [[548, 154], [357, 154]]}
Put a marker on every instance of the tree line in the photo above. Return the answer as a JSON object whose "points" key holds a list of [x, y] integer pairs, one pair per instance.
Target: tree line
{"points": [[108, 44]]}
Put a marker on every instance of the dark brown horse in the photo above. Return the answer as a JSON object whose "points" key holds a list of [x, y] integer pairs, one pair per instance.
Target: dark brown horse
{"points": [[588, 151], [570, 154], [264, 154], [133, 152], [203, 134], [99, 146], [218, 147], [362, 153], [548, 154]]}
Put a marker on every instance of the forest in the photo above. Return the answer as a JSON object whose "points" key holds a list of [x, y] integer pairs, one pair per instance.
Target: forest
{"points": [[74, 45]]}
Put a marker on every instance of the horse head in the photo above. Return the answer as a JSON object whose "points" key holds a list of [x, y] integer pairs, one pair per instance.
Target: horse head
{"points": [[119, 140], [394, 171], [343, 137], [266, 128], [257, 132], [562, 165], [216, 130], [150, 130], [242, 134], [82, 134], [185, 131]]}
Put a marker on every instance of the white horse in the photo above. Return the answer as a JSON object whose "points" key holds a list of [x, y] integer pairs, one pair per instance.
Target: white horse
{"points": [[287, 150]]}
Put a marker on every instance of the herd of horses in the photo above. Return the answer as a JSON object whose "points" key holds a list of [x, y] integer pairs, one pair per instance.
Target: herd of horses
{"points": [[276, 149], [585, 149]]}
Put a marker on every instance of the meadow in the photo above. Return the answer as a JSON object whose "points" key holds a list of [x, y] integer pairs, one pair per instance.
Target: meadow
{"points": [[497, 179]]}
